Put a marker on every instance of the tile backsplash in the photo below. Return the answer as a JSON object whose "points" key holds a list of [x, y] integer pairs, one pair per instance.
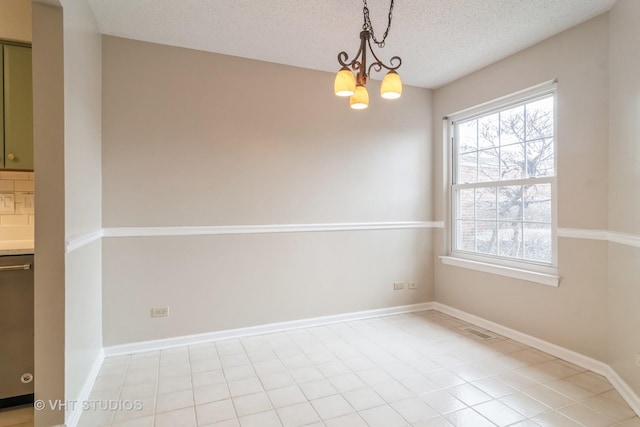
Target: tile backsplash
{"points": [[16, 205]]}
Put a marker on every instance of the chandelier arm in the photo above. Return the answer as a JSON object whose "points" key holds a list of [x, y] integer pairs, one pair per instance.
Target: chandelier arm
{"points": [[377, 67], [359, 65], [389, 67], [392, 60], [356, 66], [343, 58]]}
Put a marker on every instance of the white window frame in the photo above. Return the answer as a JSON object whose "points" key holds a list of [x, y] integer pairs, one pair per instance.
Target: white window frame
{"points": [[538, 272]]}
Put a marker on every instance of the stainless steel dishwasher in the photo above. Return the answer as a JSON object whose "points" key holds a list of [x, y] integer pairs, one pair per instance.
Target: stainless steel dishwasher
{"points": [[16, 330]]}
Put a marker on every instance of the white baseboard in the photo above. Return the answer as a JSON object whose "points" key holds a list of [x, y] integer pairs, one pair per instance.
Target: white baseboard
{"points": [[625, 391], [73, 415], [163, 344], [553, 349], [563, 353], [560, 352]]}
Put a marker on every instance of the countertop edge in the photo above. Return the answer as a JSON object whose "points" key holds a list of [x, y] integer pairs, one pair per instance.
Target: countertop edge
{"points": [[26, 251]]}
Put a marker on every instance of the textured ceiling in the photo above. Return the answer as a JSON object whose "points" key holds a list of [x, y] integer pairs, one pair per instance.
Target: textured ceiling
{"points": [[438, 40]]}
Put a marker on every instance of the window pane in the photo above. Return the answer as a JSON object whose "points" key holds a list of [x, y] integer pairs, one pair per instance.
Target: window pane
{"points": [[510, 239], [510, 203], [465, 204], [486, 237], [537, 203], [540, 158], [468, 168], [506, 213], [466, 236], [512, 161], [540, 118], [488, 131], [486, 203], [488, 165], [468, 136], [512, 125], [537, 242]]}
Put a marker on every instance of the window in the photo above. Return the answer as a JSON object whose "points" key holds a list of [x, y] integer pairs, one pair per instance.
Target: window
{"points": [[503, 182]]}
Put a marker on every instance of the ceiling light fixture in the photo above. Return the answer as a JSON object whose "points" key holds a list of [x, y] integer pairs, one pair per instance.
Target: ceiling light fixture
{"points": [[346, 84]]}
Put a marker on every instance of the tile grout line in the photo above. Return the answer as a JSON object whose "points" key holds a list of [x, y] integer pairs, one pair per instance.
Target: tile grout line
{"points": [[379, 337]]}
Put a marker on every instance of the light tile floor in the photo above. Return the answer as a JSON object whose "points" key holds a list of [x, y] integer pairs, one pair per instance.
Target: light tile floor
{"points": [[417, 369]]}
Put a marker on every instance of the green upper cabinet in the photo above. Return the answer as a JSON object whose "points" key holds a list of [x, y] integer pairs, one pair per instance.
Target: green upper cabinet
{"points": [[17, 109]]}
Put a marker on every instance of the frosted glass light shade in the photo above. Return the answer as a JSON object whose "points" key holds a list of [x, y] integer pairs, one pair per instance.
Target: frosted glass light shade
{"points": [[391, 87], [360, 99], [345, 83]]}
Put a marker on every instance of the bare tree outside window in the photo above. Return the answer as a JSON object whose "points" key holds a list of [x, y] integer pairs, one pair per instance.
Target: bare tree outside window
{"points": [[503, 182]]}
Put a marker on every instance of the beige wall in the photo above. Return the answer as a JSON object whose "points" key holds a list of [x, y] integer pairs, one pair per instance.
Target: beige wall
{"points": [[83, 316], [214, 283], [83, 119], [67, 137], [572, 315], [272, 158], [624, 149], [193, 138], [83, 192], [624, 197], [48, 139], [15, 20]]}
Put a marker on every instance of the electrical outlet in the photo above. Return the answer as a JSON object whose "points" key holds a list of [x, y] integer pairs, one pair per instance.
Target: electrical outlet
{"points": [[412, 285], [160, 312], [638, 359], [398, 286]]}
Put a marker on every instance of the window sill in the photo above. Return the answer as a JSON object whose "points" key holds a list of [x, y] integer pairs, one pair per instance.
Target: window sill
{"points": [[516, 273]]}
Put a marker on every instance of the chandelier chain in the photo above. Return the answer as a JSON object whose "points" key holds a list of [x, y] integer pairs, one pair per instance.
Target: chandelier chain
{"points": [[367, 26]]}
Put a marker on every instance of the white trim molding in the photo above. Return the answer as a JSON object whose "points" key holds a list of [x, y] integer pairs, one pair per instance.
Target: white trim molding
{"points": [[501, 270], [623, 388], [76, 242], [555, 350], [268, 228], [563, 353], [167, 343], [75, 412], [545, 278], [582, 233], [626, 239]]}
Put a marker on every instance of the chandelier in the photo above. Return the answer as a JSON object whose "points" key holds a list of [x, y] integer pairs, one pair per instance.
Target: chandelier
{"points": [[346, 84]]}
